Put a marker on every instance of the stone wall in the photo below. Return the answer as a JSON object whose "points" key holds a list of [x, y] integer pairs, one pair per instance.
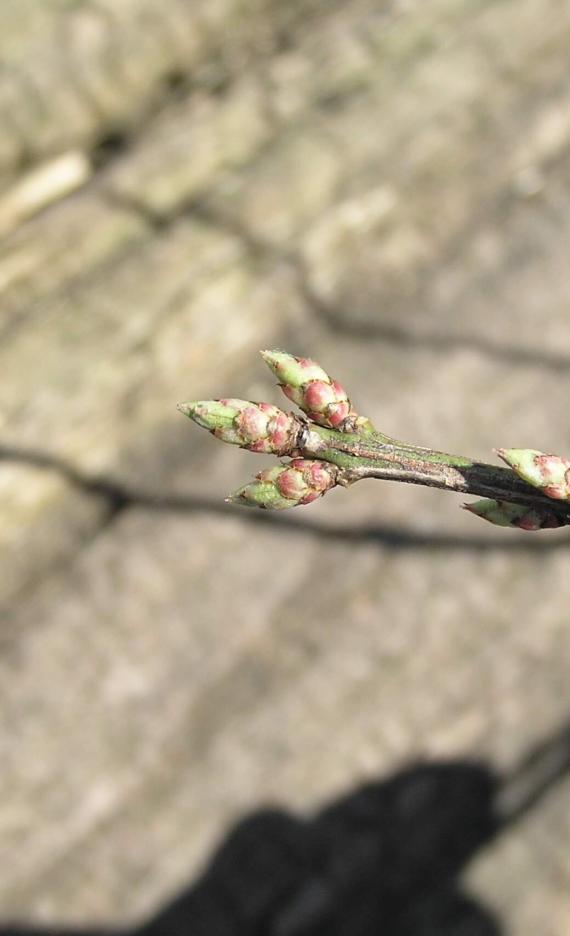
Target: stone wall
{"points": [[385, 188]]}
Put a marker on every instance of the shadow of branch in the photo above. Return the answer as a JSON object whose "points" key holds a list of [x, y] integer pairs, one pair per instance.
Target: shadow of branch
{"points": [[119, 496]]}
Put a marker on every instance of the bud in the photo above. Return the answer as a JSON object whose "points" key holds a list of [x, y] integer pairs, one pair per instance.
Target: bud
{"points": [[505, 514], [305, 383], [259, 427], [550, 473], [300, 482]]}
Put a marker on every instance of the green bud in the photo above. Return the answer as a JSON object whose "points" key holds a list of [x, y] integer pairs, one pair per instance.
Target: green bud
{"points": [[549, 473], [259, 427], [262, 494], [302, 481], [519, 516], [323, 399], [211, 414], [293, 371]]}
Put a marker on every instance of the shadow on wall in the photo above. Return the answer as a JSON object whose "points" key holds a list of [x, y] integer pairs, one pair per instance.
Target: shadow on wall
{"points": [[385, 860], [118, 497]]}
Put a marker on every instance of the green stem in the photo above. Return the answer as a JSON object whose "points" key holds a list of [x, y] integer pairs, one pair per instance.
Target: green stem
{"points": [[374, 455]]}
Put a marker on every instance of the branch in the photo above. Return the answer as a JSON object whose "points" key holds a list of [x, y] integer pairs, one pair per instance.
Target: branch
{"points": [[374, 456], [332, 445]]}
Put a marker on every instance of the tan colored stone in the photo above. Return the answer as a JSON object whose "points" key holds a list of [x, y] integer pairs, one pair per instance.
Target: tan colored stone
{"points": [[191, 145], [90, 376], [76, 72], [70, 243], [284, 190], [168, 665]]}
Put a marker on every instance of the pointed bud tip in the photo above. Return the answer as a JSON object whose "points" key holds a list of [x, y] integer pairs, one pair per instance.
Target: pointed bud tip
{"points": [[273, 358], [187, 409], [276, 354], [279, 362], [192, 406], [234, 498], [238, 497], [478, 508], [293, 371], [516, 456], [550, 473], [210, 414]]}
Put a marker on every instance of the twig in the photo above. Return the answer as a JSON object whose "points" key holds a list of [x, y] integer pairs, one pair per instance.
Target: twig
{"points": [[332, 445], [374, 456]]}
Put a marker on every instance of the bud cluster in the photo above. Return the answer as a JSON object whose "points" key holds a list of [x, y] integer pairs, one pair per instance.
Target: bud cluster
{"points": [[302, 481], [305, 383], [259, 427], [264, 428], [550, 473], [519, 516]]}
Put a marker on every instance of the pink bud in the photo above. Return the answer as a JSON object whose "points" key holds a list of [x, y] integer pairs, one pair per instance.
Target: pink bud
{"points": [[292, 484], [279, 429], [233, 403], [337, 413], [550, 473], [295, 394], [252, 423], [318, 477], [261, 446], [557, 491], [530, 522], [269, 474], [549, 466], [340, 392], [319, 395], [309, 498]]}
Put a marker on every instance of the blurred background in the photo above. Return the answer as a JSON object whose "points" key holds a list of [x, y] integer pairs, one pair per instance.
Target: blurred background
{"points": [[351, 719]]}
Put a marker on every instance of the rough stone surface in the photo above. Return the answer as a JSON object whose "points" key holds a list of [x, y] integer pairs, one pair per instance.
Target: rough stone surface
{"points": [[387, 191]]}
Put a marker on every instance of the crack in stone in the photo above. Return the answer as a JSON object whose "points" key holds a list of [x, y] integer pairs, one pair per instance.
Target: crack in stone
{"points": [[119, 497], [331, 316]]}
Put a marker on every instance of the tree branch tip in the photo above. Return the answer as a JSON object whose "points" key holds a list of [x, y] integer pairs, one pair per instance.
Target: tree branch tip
{"points": [[330, 444]]}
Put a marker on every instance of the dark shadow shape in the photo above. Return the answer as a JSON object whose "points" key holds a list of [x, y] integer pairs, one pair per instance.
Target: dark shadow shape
{"points": [[444, 341], [382, 860], [361, 329], [385, 860], [118, 496], [337, 320], [114, 142]]}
